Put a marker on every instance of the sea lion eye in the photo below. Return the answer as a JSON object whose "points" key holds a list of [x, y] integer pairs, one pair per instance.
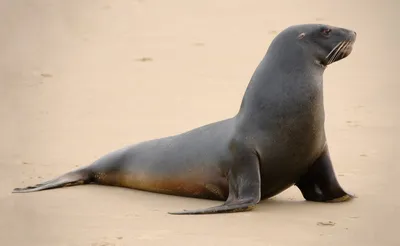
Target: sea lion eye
{"points": [[326, 31]]}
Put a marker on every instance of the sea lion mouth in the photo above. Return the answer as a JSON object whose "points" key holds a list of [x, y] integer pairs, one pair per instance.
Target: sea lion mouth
{"points": [[340, 51]]}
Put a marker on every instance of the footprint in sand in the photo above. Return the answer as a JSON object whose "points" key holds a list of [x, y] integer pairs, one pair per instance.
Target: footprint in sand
{"points": [[144, 59], [327, 223]]}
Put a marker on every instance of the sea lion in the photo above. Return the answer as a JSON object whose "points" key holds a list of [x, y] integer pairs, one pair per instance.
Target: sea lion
{"points": [[276, 140]]}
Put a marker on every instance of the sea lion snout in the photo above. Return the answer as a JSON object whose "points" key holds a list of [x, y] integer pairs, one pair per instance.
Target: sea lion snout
{"points": [[336, 44], [350, 40], [354, 34], [348, 35]]}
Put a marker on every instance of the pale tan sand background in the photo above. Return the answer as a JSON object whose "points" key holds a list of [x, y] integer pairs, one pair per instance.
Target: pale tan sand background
{"points": [[81, 78]]}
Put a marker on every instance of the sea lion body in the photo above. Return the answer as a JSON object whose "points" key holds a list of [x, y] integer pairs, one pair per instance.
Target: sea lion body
{"points": [[173, 165], [276, 140]]}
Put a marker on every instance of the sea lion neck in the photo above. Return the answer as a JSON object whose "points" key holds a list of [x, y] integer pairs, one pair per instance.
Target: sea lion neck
{"points": [[286, 81]]}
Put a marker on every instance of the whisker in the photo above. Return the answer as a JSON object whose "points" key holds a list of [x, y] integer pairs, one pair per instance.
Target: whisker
{"points": [[345, 49], [338, 51], [333, 56], [334, 48], [334, 53]]}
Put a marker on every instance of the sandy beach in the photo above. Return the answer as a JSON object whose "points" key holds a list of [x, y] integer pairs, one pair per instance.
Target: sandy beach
{"points": [[81, 78]]}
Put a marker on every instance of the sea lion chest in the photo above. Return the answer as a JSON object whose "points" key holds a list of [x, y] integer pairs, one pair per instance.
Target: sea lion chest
{"points": [[286, 129]]}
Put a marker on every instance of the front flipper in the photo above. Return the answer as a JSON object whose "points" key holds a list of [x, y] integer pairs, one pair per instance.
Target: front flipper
{"points": [[319, 184], [244, 186]]}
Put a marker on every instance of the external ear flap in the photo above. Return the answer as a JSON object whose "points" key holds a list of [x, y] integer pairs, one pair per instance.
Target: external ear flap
{"points": [[301, 35]]}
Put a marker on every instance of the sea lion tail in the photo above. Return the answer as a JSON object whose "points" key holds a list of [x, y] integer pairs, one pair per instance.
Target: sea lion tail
{"points": [[76, 177]]}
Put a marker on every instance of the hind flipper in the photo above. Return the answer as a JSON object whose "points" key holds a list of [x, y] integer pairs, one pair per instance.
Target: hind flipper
{"points": [[78, 177], [238, 206], [244, 186], [320, 184]]}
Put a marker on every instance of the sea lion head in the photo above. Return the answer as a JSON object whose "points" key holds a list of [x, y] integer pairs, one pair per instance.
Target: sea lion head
{"points": [[318, 43], [326, 44]]}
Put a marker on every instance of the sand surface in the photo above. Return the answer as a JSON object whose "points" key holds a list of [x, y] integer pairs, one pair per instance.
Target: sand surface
{"points": [[81, 78]]}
